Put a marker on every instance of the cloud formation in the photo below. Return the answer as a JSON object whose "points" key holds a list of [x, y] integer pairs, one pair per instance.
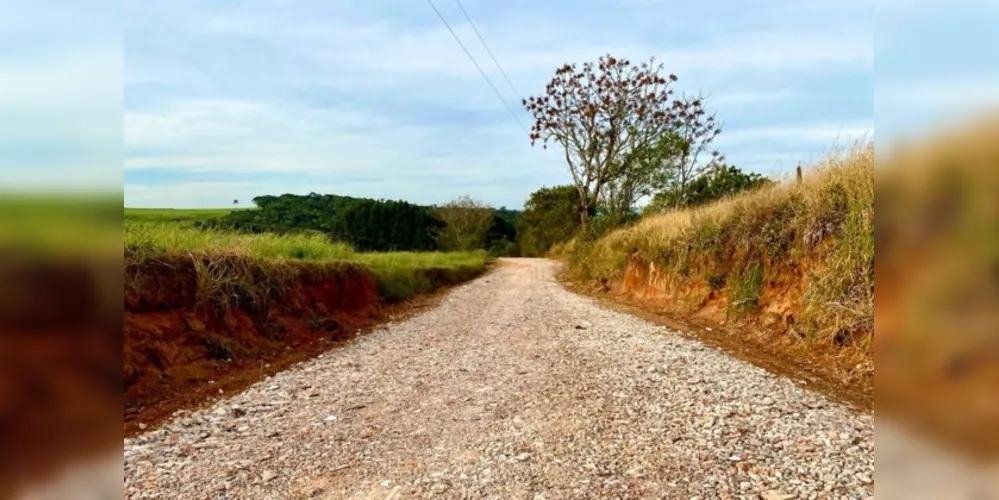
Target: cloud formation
{"points": [[237, 99]]}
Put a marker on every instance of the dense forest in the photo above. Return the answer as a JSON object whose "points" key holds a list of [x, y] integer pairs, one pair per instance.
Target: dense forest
{"points": [[377, 225]]}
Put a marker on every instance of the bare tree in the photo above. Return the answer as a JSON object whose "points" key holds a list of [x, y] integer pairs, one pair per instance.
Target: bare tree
{"points": [[601, 113], [468, 221]]}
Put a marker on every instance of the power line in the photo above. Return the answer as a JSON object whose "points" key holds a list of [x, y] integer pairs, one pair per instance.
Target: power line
{"points": [[481, 72], [516, 93]]}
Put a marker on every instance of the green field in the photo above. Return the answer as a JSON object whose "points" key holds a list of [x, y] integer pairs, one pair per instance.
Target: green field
{"points": [[152, 233], [175, 214]]}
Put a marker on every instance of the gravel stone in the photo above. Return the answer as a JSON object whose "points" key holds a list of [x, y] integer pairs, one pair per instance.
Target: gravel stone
{"points": [[512, 387]]}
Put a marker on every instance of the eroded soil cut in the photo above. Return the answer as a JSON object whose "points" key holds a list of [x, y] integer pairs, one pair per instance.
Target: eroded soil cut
{"points": [[182, 348], [765, 336]]}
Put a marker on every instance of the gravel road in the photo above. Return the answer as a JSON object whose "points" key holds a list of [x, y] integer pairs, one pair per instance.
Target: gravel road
{"points": [[513, 388]]}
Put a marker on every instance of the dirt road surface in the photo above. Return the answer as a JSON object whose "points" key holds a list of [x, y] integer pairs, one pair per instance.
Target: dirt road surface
{"points": [[513, 387]]}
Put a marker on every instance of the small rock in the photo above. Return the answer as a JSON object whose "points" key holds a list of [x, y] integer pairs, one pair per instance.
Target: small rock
{"points": [[522, 457], [386, 483], [778, 495], [268, 476], [331, 418], [584, 325], [142, 427]]}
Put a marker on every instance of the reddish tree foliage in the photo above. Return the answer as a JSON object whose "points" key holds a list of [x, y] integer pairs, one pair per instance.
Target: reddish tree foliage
{"points": [[604, 111]]}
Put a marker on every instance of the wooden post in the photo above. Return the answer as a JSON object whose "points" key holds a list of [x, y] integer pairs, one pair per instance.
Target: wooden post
{"points": [[798, 174]]}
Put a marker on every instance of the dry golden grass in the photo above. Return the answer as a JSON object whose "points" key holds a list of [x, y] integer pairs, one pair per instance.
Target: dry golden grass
{"points": [[824, 225]]}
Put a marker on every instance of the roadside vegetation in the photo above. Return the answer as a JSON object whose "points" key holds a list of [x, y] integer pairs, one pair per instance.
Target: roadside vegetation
{"points": [[816, 237], [169, 215], [213, 306], [400, 275], [656, 214]]}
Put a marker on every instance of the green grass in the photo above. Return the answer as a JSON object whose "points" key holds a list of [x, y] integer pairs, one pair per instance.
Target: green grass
{"points": [[175, 214], [746, 288], [218, 255], [403, 274], [49, 224], [153, 238]]}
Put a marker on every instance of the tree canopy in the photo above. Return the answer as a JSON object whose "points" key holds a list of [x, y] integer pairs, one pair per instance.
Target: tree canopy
{"points": [[382, 226], [612, 118], [551, 215], [467, 223], [721, 182]]}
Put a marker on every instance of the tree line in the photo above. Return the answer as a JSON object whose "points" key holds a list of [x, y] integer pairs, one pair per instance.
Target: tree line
{"points": [[372, 225], [632, 146]]}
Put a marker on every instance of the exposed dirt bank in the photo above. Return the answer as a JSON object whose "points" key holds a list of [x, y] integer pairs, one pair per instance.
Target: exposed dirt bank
{"points": [[766, 336], [60, 341], [730, 337], [181, 350]]}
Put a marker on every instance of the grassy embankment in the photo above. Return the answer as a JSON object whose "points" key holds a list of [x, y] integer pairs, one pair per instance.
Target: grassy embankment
{"points": [[211, 311], [150, 233], [796, 258]]}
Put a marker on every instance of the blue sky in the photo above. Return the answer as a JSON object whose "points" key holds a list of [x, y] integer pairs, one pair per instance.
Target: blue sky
{"points": [[211, 101], [228, 100], [61, 70]]}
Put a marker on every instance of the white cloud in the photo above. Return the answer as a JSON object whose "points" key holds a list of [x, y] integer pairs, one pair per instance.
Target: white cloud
{"points": [[773, 52], [938, 94], [329, 60], [433, 52], [735, 99], [72, 95], [923, 7], [188, 194], [826, 134]]}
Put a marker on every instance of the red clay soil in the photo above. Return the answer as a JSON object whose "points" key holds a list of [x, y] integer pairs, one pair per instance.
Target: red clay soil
{"points": [[767, 338], [939, 359], [60, 341], [180, 353]]}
